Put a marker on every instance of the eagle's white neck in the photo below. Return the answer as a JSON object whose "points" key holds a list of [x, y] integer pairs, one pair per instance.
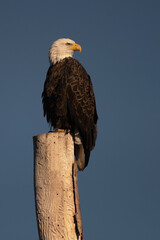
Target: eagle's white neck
{"points": [[53, 57]]}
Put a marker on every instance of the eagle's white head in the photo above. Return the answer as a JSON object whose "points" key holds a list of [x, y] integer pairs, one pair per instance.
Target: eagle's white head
{"points": [[62, 48]]}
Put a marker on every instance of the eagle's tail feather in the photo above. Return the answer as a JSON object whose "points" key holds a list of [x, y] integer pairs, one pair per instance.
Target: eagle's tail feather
{"points": [[80, 156]]}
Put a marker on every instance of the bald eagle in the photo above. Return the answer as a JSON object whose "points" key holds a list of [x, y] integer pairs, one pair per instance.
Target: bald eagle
{"points": [[68, 99]]}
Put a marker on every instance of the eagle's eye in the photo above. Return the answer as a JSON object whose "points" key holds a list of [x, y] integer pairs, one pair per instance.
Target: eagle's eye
{"points": [[68, 44]]}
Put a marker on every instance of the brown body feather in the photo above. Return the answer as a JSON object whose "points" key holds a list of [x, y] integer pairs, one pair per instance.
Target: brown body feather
{"points": [[69, 102]]}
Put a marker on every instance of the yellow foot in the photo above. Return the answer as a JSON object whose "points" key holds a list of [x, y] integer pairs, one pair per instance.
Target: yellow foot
{"points": [[63, 130]]}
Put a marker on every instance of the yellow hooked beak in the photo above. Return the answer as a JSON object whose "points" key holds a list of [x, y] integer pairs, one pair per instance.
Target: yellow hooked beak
{"points": [[76, 47]]}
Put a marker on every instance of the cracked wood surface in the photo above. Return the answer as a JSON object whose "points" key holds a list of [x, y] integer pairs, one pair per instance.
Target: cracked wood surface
{"points": [[56, 187]]}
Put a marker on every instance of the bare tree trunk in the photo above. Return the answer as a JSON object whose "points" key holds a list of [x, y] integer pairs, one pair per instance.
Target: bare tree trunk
{"points": [[56, 187]]}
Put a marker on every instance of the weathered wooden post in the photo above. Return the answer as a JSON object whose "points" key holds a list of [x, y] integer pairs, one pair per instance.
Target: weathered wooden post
{"points": [[56, 187]]}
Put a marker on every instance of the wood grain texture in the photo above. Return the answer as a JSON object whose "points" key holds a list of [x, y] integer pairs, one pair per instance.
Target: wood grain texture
{"points": [[55, 183]]}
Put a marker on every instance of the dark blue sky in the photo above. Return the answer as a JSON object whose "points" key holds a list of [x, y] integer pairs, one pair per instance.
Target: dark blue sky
{"points": [[120, 189]]}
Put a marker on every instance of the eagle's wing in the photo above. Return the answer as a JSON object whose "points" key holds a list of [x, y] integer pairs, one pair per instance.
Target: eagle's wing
{"points": [[81, 104]]}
